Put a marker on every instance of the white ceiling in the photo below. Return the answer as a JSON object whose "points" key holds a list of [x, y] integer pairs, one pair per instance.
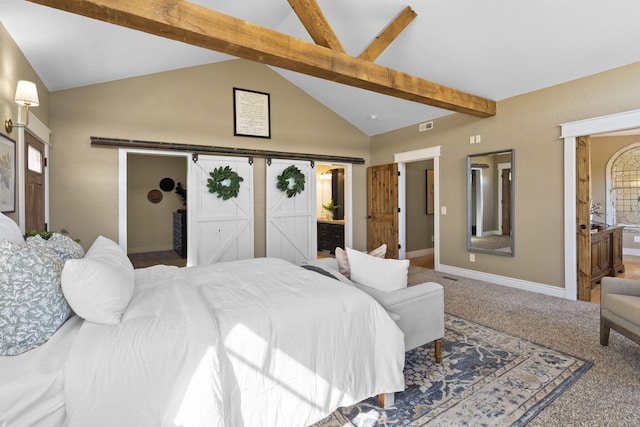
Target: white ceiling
{"points": [[495, 49]]}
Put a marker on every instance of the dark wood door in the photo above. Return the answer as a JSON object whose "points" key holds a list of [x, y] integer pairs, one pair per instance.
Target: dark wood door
{"points": [[382, 208], [583, 221], [506, 202], [34, 184]]}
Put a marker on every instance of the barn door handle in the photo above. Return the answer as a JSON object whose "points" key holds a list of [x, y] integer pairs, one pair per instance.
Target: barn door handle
{"points": [[369, 217], [583, 226]]}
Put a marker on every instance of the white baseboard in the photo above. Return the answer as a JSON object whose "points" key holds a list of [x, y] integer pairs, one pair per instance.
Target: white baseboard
{"points": [[505, 281], [420, 252], [631, 251]]}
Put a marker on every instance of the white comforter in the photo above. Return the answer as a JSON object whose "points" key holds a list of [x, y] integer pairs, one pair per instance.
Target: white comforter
{"points": [[249, 343]]}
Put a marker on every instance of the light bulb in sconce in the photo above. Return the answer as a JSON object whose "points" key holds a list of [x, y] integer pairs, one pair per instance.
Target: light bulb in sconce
{"points": [[26, 96]]}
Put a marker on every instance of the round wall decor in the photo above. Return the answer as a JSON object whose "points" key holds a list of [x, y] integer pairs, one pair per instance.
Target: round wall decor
{"points": [[167, 184], [154, 196]]}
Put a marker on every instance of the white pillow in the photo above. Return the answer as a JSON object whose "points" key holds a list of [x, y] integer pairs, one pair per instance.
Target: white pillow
{"points": [[99, 286], [383, 274], [343, 260], [9, 230]]}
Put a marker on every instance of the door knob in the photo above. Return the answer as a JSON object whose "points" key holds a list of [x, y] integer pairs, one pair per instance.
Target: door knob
{"points": [[583, 226]]}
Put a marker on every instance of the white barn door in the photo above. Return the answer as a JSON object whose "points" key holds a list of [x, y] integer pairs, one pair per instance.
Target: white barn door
{"points": [[219, 230], [291, 221]]}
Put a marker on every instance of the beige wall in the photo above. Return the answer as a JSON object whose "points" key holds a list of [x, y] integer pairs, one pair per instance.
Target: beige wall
{"points": [[530, 124], [13, 67], [188, 106]]}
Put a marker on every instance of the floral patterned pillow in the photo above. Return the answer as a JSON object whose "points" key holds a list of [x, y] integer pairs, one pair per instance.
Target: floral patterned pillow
{"points": [[32, 306], [64, 246]]}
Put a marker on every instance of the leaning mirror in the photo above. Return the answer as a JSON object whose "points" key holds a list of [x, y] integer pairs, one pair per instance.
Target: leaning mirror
{"points": [[490, 195]]}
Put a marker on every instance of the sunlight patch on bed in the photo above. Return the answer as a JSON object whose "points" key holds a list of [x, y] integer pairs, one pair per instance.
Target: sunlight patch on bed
{"points": [[278, 369], [196, 408]]}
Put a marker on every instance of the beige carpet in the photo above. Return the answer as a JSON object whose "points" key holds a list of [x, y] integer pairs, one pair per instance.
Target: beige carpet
{"points": [[607, 395]]}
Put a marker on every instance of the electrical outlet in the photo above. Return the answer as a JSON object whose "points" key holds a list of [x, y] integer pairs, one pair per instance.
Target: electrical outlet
{"points": [[443, 210], [636, 239], [472, 257]]}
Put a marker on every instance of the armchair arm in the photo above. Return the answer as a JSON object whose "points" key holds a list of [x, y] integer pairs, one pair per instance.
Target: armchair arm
{"points": [[618, 285], [390, 299]]}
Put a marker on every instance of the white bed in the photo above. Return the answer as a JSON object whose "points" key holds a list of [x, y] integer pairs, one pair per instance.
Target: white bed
{"points": [[249, 343]]}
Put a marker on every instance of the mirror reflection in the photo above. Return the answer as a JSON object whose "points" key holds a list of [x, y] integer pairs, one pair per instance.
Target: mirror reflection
{"points": [[490, 192]]}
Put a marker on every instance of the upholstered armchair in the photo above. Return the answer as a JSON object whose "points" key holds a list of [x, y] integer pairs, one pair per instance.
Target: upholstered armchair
{"points": [[620, 308]]}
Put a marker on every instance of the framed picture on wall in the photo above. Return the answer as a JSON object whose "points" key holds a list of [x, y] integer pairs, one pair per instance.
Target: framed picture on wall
{"points": [[7, 174], [430, 192], [251, 113]]}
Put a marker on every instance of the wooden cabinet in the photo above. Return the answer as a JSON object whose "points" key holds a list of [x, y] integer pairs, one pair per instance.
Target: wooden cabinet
{"points": [[606, 253], [180, 233], [337, 192], [330, 235]]}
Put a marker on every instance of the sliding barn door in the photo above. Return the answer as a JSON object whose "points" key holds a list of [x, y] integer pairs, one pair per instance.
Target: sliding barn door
{"points": [[219, 230], [291, 221]]}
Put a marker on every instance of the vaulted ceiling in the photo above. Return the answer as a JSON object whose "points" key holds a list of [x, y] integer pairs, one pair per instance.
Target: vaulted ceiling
{"points": [[492, 50]]}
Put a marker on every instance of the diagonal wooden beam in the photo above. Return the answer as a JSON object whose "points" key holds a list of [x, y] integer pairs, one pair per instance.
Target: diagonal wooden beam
{"points": [[311, 16], [388, 35], [199, 26]]}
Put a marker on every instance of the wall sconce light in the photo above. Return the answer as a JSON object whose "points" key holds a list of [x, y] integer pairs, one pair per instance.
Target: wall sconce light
{"points": [[26, 96]]}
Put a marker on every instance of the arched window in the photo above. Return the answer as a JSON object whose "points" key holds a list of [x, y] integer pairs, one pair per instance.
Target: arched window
{"points": [[623, 187]]}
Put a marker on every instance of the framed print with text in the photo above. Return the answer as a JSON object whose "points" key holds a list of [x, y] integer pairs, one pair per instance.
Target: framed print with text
{"points": [[7, 174], [251, 113]]}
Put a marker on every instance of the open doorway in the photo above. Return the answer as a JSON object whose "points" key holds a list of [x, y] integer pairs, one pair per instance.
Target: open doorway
{"points": [[403, 160], [419, 214], [331, 208], [156, 209], [575, 253]]}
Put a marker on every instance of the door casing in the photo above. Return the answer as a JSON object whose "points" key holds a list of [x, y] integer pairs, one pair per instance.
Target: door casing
{"points": [[569, 134], [38, 129], [416, 156]]}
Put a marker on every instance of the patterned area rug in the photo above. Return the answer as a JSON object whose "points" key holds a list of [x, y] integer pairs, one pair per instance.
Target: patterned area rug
{"points": [[486, 378]]}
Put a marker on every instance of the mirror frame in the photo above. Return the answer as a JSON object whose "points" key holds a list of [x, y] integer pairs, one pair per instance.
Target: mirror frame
{"points": [[470, 158]]}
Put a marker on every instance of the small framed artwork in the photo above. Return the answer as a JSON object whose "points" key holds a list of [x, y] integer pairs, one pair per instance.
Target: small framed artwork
{"points": [[430, 192], [7, 174], [251, 113]]}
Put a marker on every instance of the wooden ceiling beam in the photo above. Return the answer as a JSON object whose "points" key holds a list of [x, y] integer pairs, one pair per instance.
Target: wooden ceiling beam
{"points": [[388, 34], [196, 25], [311, 16]]}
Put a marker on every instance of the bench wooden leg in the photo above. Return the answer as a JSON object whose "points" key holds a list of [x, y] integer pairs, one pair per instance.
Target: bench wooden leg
{"points": [[386, 400], [604, 333], [437, 346]]}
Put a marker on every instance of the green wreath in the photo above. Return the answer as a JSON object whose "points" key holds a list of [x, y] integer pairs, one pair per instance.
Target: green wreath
{"points": [[218, 176], [298, 181]]}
